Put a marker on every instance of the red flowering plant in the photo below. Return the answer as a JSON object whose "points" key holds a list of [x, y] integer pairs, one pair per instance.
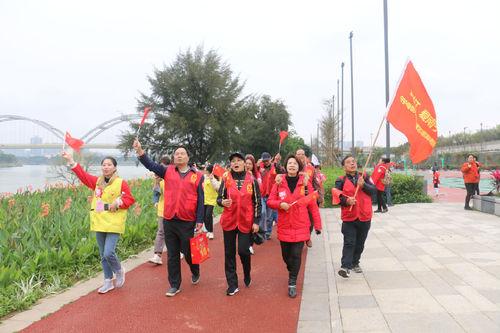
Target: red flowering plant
{"points": [[495, 180]]}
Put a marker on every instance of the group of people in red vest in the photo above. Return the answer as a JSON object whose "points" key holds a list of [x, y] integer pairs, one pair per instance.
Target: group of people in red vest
{"points": [[250, 193]]}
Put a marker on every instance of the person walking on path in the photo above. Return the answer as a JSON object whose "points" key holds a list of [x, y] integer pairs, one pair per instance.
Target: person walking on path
{"points": [[108, 213], [211, 187], [356, 214], [268, 170], [310, 171], [289, 198], [251, 166], [239, 195], [470, 172], [380, 179], [158, 200], [436, 181], [183, 211]]}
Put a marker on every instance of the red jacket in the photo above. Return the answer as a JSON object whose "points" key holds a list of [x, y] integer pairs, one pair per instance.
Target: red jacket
{"points": [[268, 179], [181, 195], [241, 212], [362, 210], [293, 225], [379, 174], [470, 172]]}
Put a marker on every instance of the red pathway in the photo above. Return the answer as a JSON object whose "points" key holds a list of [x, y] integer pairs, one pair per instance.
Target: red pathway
{"points": [[141, 305]]}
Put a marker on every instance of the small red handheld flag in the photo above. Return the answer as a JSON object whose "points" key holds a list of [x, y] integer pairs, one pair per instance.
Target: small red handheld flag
{"points": [[412, 113], [304, 201], [146, 111], [283, 135], [218, 170], [74, 143], [336, 196]]}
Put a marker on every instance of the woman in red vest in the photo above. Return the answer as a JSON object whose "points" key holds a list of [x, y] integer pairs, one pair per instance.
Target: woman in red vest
{"points": [[289, 198], [240, 196], [356, 214]]}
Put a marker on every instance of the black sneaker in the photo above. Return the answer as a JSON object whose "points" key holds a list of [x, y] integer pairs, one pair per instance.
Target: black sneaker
{"points": [[344, 272], [248, 281], [292, 291], [172, 292], [385, 210], [377, 211], [468, 208], [195, 279], [231, 291], [357, 269]]}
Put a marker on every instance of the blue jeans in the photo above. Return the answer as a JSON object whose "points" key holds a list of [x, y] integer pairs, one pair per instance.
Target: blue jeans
{"points": [[266, 220], [107, 245]]}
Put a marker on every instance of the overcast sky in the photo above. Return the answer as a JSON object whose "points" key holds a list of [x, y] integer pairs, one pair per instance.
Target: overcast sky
{"points": [[77, 64]]}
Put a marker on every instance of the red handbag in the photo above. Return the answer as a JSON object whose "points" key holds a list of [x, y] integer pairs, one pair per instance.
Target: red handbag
{"points": [[199, 248]]}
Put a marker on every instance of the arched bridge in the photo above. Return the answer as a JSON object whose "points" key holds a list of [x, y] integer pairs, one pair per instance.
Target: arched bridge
{"points": [[87, 137]]}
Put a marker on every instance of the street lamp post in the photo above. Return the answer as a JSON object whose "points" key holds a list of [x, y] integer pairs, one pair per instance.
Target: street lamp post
{"points": [[465, 139], [338, 116], [481, 138], [342, 113], [352, 96], [386, 43]]}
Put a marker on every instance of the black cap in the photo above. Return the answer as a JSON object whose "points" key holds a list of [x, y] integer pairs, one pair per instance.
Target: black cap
{"points": [[236, 154], [266, 156]]}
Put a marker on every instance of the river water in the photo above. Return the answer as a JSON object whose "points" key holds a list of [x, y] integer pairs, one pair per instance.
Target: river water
{"points": [[36, 176]]}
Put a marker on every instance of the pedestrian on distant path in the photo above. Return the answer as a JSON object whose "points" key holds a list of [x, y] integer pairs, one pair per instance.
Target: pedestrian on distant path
{"points": [[183, 211], [293, 217], [436, 181], [251, 166], [356, 214], [470, 173], [211, 187], [158, 200], [108, 213], [268, 169], [388, 184], [239, 195], [380, 178], [479, 165]]}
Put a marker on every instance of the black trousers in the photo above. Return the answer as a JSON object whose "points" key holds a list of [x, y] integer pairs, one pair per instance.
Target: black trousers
{"points": [[355, 234], [477, 189], [177, 235], [471, 188], [292, 256], [380, 200], [209, 218], [230, 255]]}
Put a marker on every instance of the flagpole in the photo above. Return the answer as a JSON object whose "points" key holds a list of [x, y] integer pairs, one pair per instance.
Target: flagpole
{"points": [[370, 154]]}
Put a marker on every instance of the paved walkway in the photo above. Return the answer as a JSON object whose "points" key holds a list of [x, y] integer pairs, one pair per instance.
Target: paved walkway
{"points": [[427, 268]]}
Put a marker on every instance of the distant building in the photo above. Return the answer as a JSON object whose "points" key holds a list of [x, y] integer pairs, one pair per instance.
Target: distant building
{"points": [[36, 140]]}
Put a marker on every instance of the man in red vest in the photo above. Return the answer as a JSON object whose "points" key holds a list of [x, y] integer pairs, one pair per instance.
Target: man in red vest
{"points": [[183, 210], [356, 214]]}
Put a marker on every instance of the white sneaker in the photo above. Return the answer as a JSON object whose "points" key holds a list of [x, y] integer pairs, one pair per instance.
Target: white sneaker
{"points": [[107, 286], [182, 255], [120, 278], [251, 250], [156, 259], [210, 235]]}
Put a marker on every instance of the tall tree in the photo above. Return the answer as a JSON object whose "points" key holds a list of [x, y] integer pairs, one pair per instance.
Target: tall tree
{"points": [[328, 135], [195, 102]]}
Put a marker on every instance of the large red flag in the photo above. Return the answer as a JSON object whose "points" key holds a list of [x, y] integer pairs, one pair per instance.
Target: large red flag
{"points": [[412, 113], [283, 135], [74, 143], [146, 111]]}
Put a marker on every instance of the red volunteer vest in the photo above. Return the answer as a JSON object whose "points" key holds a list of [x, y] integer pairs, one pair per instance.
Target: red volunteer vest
{"points": [[241, 212], [181, 195], [268, 179], [362, 210]]}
